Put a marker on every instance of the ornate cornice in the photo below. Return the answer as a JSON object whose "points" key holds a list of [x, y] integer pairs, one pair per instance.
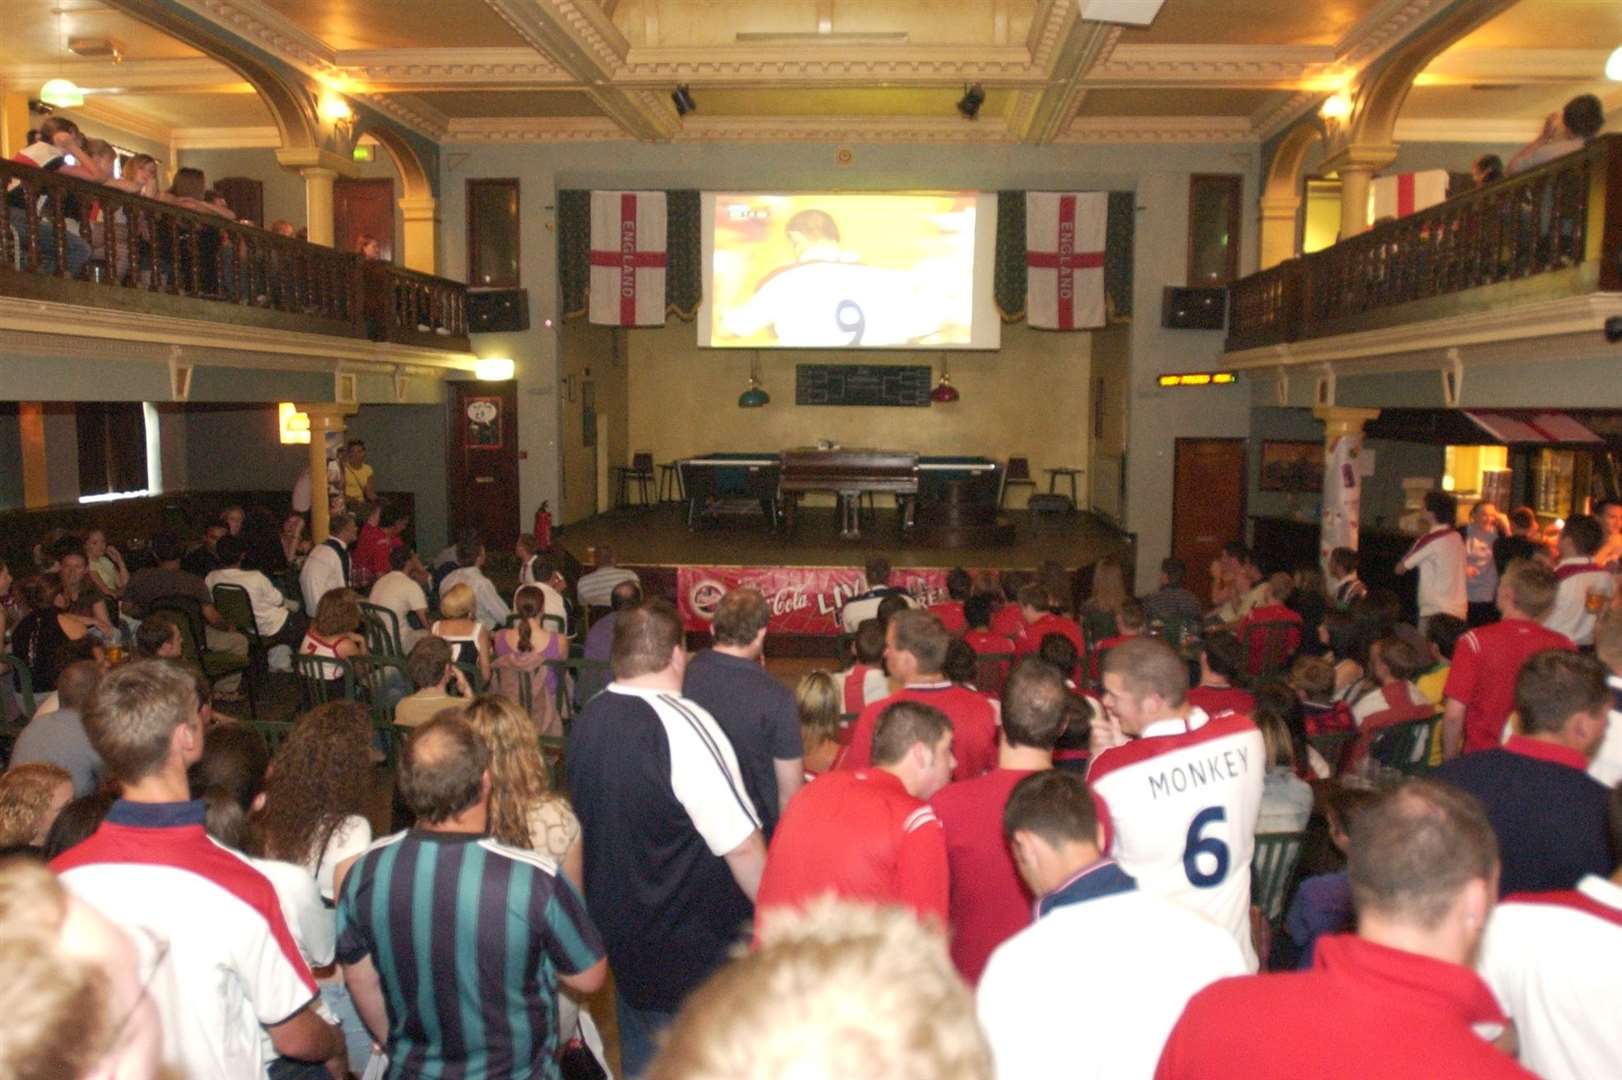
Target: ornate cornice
{"points": [[413, 112], [99, 110], [1467, 131], [267, 28], [854, 129], [1384, 27], [224, 138], [1224, 65], [534, 129], [396, 69], [191, 73], [1270, 120], [810, 65], [1157, 129]]}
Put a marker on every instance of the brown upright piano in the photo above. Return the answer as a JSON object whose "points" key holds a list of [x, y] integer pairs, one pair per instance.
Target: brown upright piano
{"points": [[849, 473]]}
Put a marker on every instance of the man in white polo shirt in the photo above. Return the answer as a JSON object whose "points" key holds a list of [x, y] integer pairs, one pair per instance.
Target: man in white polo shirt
{"points": [[1438, 555], [1585, 586], [1551, 960], [1183, 790], [1143, 956]]}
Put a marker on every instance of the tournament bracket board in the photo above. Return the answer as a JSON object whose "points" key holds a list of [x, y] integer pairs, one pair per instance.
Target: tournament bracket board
{"points": [[862, 384]]}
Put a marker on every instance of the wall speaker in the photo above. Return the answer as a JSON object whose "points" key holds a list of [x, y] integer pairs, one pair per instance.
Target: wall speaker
{"points": [[1194, 309], [497, 311]]}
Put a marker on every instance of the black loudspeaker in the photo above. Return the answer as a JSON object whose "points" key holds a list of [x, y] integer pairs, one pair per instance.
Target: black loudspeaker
{"points": [[1194, 309], [496, 311]]}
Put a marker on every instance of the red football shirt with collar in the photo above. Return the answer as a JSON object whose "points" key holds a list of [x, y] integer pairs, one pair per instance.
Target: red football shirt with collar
{"points": [[986, 641], [990, 903], [974, 727], [1050, 624], [1363, 1010], [1008, 621], [1486, 662], [1221, 699], [1269, 613], [860, 836]]}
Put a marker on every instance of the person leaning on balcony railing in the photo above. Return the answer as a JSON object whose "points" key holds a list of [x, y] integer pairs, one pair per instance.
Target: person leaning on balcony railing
{"points": [[1565, 131], [57, 148]]}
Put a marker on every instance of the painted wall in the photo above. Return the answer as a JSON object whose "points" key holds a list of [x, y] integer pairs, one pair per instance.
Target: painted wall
{"points": [[595, 355], [1158, 174], [284, 188]]}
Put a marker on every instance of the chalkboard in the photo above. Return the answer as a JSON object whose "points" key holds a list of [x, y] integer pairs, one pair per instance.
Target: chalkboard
{"points": [[861, 384]]}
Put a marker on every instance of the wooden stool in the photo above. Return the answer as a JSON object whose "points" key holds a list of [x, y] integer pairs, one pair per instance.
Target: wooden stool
{"points": [[1017, 473], [670, 480], [1069, 473]]}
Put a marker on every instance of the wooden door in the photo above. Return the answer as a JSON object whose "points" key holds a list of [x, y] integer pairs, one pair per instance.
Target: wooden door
{"points": [[483, 466], [1207, 505], [245, 196], [363, 207]]}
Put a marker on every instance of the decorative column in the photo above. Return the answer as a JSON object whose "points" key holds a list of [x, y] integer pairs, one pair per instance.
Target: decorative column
{"points": [[1343, 481], [319, 169], [324, 416], [1356, 166], [419, 240]]}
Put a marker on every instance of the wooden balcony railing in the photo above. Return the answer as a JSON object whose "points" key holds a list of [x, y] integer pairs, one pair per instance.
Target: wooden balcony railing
{"points": [[1552, 232], [71, 241]]}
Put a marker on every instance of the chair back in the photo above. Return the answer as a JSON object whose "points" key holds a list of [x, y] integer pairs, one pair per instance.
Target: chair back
{"points": [[323, 679], [1403, 744], [553, 623], [1269, 646], [382, 628], [576, 681], [1019, 468], [188, 614], [236, 607], [642, 462], [381, 681], [523, 678], [1270, 870], [1331, 746], [274, 732], [475, 677], [19, 681], [1098, 625], [1178, 632]]}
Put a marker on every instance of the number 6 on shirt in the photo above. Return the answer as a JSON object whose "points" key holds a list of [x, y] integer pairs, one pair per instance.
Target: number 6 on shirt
{"points": [[1198, 845]]}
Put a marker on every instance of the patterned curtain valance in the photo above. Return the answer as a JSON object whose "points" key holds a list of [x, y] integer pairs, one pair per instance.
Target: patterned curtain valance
{"points": [[684, 275]]}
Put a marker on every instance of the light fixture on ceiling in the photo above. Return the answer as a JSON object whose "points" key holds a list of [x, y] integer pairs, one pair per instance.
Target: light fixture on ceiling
{"points": [[61, 91], [1613, 65], [755, 395], [973, 97], [682, 98], [944, 393]]}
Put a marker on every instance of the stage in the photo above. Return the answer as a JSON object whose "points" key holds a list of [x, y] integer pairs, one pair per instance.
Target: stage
{"points": [[659, 537]]}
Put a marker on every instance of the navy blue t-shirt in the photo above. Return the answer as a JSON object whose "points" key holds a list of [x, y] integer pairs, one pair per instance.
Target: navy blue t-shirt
{"points": [[759, 716]]}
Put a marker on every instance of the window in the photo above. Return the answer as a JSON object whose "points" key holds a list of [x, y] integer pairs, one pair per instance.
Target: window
{"points": [[112, 449], [492, 233], [1213, 229]]}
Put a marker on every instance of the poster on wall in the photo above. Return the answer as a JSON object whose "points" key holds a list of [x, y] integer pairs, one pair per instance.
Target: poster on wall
{"points": [[803, 599], [1292, 466], [483, 416]]}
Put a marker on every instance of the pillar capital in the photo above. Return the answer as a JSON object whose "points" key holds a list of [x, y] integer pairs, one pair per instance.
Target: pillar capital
{"points": [[423, 208], [304, 158], [1341, 419], [419, 241], [1359, 157]]}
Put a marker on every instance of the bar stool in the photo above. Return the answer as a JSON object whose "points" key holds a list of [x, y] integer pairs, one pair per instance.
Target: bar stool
{"points": [[641, 472], [670, 480], [1017, 473], [1069, 473]]}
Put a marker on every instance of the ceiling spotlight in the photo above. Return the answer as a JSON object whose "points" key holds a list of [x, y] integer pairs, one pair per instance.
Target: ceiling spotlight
{"points": [[969, 104], [683, 100]]}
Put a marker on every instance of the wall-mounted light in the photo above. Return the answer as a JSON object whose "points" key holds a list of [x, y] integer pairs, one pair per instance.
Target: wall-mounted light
{"points": [[292, 425], [494, 368], [1336, 107], [1198, 378], [335, 108], [1613, 65]]}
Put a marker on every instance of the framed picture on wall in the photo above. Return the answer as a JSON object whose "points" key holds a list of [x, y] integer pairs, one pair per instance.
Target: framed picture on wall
{"points": [[1292, 466], [483, 423]]}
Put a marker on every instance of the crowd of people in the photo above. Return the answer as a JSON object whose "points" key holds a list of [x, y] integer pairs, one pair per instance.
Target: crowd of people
{"points": [[1011, 835]]}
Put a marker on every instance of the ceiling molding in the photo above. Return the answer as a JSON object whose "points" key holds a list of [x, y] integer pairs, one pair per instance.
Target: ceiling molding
{"points": [[1222, 65], [856, 129], [425, 69], [411, 111], [267, 28], [1065, 51], [1466, 131], [1514, 66], [1384, 27], [585, 44], [927, 65], [1157, 129], [99, 110], [192, 73], [534, 129], [225, 138]]}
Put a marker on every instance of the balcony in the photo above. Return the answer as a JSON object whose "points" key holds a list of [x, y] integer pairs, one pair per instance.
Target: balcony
{"points": [[74, 242], [1551, 234]]}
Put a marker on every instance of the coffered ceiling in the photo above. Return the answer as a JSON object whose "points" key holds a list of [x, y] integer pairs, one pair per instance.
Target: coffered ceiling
{"points": [[464, 71]]}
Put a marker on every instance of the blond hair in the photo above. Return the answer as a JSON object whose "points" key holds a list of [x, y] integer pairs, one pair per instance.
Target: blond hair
{"points": [[25, 796], [819, 700], [457, 603], [518, 779], [836, 989]]}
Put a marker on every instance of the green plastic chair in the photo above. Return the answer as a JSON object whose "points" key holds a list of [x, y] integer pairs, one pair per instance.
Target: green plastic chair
{"points": [[1406, 746], [236, 607], [382, 628], [552, 750], [475, 677], [372, 686], [322, 679], [1270, 870], [573, 672], [215, 666], [1331, 745], [22, 684], [274, 732]]}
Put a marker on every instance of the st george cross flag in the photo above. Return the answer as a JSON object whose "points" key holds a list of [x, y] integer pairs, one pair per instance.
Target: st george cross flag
{"points": [[1064, 259], [627, 258], [1401, 195]]}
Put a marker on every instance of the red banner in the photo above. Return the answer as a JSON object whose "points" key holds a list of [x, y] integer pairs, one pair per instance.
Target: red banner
{"points": [[803, 599]]}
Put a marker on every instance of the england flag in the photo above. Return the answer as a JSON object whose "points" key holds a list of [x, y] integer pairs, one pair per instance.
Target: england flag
{"points": [[1064, 258], [1403, 194], [627, 258]]}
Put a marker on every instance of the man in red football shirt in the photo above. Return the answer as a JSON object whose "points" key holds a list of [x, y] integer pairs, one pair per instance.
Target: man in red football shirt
{"points": [[989, 902], [867, 834], [1222, 657], [979, 636], [1041, 620], [950, 612], [1480, 689], [914, 653], [1257, 640], [1398, 1000], [1008, 621]]}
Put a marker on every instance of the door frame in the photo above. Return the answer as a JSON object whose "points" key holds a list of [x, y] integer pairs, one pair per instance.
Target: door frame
{"points": [[1244, 485], [376, 182]]}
